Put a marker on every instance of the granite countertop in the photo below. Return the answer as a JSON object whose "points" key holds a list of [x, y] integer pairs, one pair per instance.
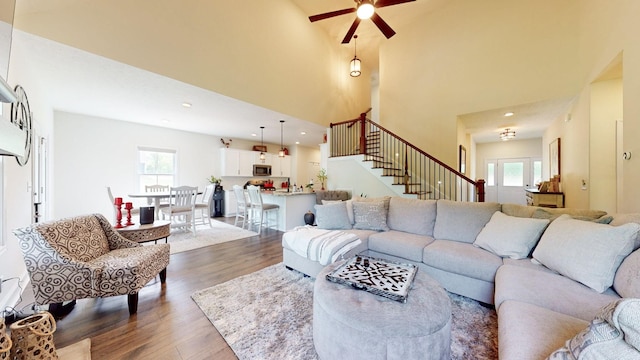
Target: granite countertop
{"points": [[285, 193]]}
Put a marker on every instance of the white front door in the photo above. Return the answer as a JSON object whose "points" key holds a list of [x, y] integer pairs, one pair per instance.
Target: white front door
{"points": [[507, 179]]}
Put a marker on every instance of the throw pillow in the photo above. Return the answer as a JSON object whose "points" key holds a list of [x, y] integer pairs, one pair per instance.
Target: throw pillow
{"points": [[370, 215], [584, 251], [332, 216], [613, 334], [510, 236]]}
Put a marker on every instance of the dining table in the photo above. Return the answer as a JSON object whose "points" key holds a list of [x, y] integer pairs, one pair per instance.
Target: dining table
{"points": [[154, 198]]}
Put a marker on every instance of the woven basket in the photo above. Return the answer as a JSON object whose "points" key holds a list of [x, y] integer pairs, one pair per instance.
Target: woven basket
{"points": [[33, 338], [5, 341]]}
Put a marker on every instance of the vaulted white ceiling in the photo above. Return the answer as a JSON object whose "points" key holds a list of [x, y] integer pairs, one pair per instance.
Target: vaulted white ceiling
{"points": [[90, 84]]}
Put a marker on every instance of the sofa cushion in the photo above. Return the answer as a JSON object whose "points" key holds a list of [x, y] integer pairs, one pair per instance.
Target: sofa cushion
{"points": [[613, 334], [584, 251], [397, 243], [412, 215], [621, 219], [332, 216], [529, 211], [547, 214], [452, 214], [530, 332], [370, 215], [548, 290], [509, 236], [627, 279], [518, 210], [462, 259]]}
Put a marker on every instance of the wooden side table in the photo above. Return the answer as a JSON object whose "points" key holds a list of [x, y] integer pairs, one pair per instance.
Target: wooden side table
{"points": [[148, 232], [548, 199]]}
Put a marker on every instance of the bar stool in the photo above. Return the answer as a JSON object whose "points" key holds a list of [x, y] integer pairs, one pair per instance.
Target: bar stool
{"points": [[242, 206], [258, 208]]}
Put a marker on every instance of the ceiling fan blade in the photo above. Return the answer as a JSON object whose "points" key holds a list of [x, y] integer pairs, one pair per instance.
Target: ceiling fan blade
{"points": [[382, 25], [352, 30], [331, 14], [383, 3]]}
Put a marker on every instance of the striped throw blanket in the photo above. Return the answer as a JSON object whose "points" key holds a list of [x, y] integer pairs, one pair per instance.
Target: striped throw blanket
{"points": [[323, 246]]}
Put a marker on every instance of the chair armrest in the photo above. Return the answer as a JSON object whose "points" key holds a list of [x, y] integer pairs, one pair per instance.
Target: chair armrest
{"points": [[63, 278]]}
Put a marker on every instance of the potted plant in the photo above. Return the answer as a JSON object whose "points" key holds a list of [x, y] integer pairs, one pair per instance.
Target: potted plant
{"points": [[214, 180], [322, 177]]}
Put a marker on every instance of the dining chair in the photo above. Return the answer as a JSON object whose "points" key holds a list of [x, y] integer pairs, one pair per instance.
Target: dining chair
{"points": [[112, 200], [204, 205], [182, 207], [156, 189], [258, 208], [242, 206]]}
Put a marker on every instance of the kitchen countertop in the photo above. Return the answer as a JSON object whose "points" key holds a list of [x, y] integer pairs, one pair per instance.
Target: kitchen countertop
{"points": [[284, 193]]}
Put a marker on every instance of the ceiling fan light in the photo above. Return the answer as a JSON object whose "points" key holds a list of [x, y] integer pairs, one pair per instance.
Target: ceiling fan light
{"points": [[365, 9], [355, 67]]}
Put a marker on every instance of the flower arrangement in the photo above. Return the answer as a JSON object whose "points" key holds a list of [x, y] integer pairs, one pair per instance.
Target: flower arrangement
{"points": [[214, 180]]}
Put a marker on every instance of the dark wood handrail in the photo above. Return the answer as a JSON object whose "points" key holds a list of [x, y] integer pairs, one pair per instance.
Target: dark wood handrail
{"points": [[421, 151], [365, 131]]}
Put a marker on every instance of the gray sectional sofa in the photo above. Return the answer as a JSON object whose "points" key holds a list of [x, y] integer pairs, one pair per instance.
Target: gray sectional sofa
{"points": [[547, 271]]}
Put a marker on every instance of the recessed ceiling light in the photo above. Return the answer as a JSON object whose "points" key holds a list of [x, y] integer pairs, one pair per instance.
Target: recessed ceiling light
{"points": [[254, 134], [508, 113], [165, 121], [186, 104], [303, 133], [297, 142]]}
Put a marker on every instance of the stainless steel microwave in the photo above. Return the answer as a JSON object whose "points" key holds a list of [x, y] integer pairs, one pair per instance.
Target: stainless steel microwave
{"points": [[261, 170]]}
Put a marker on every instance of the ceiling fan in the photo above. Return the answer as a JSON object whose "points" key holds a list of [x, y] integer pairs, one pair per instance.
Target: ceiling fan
{"points": [[365, 9]]}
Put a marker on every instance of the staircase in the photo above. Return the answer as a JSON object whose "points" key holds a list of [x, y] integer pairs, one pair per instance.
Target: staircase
{"points": [[413, 171]]}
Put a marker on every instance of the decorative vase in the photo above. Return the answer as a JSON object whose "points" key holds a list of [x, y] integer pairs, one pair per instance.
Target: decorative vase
{"points": [[309, 218]]}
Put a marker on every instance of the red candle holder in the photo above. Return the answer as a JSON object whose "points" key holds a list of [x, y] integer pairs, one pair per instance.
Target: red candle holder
{"points": [[118, 213], [128, 206]]}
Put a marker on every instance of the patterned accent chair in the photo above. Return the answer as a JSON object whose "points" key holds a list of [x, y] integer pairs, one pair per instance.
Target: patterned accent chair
{"points": [[85, 257]]}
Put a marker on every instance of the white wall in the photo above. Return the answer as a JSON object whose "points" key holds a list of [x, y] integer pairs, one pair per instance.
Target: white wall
{"points": [[344, 173], [606, 109], [91, 153]]}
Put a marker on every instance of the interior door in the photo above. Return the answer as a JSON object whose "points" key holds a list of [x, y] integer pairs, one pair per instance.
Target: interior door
{"points": [[513, 177]]}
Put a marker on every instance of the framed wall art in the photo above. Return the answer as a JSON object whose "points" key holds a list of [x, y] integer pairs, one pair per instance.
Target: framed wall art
{"points": [[554, 158], [462, 160]]}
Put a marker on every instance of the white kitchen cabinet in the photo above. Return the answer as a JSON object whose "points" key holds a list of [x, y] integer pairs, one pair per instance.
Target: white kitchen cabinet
{"points": [[281, 167], [237, 162]]}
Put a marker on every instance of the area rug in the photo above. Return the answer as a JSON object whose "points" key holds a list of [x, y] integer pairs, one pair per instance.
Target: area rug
{"points": [[219, 232], [268, 315]]}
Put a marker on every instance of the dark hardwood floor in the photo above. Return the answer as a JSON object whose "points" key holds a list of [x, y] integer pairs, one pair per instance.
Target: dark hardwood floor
{"points": [[169, 325]]}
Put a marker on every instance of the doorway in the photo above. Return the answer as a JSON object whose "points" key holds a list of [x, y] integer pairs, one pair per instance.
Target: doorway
{"points": [[507, 179]]}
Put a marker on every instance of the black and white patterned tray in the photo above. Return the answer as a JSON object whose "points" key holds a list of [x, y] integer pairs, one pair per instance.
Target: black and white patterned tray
{"points": [[389, 279]]}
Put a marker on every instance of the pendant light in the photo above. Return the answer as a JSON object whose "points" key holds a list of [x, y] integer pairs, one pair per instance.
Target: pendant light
{"points": [[281, 152], [262, 155], [355, 63]]}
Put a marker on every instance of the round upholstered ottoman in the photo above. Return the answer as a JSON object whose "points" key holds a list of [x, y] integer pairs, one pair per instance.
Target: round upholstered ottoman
{"points": [[354, 324]]}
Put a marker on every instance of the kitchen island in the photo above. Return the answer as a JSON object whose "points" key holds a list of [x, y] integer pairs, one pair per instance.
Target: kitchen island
{"points": [[293, 206]]}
